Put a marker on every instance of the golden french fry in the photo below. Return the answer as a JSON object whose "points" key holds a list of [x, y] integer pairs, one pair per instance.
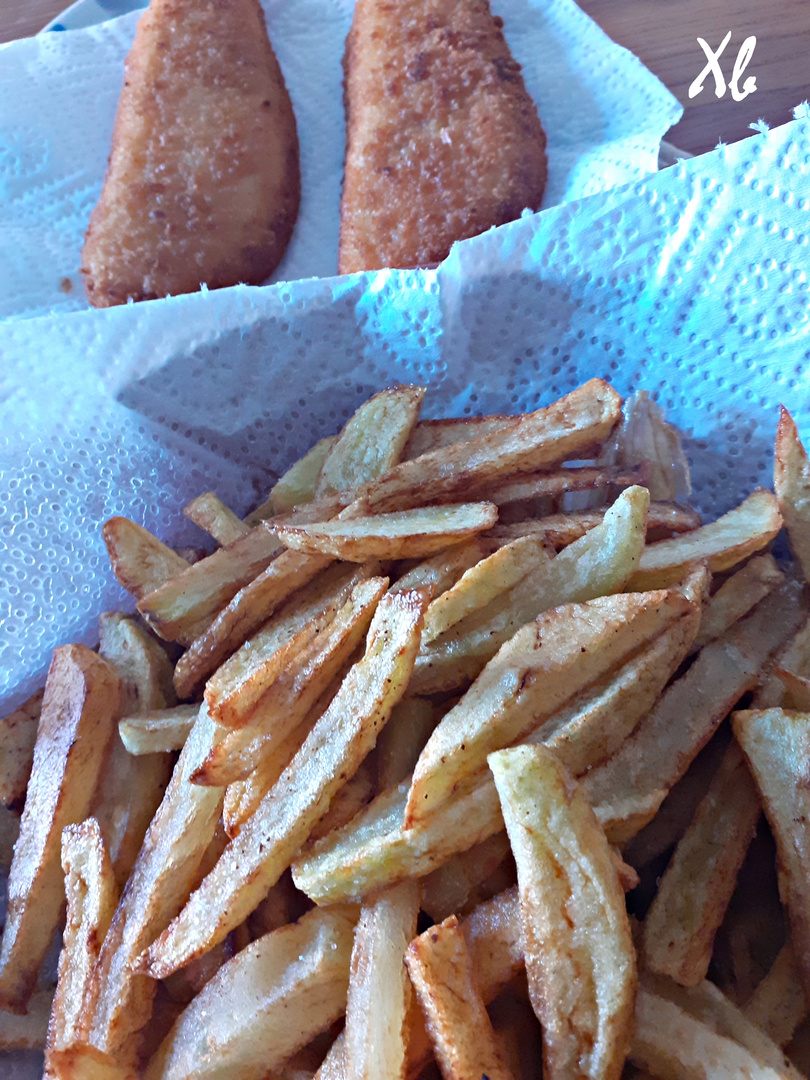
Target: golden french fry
{"points": [[18, 734], [297, 486], [91, 894], [579, 950], [560, 530], [119, 1002], [30, 1031], [559, 482], [442, 973], [535, 673], [215, 518], [404, 534], [372, 441], [140, 561], [243, 614], [797, 690], [159, 731], [431, 435], [379, 995], [186, 605], [142, 665], [332, 752], [439, 572], [264, 1004], [791, 482], [697, 885], [294, 693], [775, 742], [736, 597], [723, 543], [349, 801], [87, 1063], [79, 711], [628, 788], [402, 740], [778, 1005], [448, 890]]}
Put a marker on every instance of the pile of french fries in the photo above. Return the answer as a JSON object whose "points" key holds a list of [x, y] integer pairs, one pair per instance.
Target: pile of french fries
{"points": [[454, 749]]}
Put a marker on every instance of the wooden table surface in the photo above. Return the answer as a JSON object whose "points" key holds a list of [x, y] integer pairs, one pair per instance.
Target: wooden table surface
{"points": [[663, 33]]}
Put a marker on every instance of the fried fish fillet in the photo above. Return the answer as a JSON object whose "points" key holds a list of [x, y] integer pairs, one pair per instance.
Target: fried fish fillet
{"points": [[203, 180], [442, 138]]}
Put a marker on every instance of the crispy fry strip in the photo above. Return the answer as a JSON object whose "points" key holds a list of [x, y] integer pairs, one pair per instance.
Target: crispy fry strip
{"points": [[157, 732], [297, 485], [460, 1029], [441, 571], [698, 883], [79, 712], [215, 518], [140, 561], [560, 482], [778, 1004], [337, 744], [18, 735], [560, 530], [736, 596], [579, 951]]}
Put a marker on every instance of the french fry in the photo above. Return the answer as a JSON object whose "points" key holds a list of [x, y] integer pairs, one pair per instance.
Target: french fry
{"points": [[159, 731], [215, 518], [460, 1029], [598, 564], [118, 1002], [349, 801], [778, 1005], [87, 1063], [79, 711], [244, 613], [791, 482], [797, 690], [379, 995], [441, 571], [142, 665], [579, 951], [628, 788], [186, 605], [264, 1004], [372, 441], [297, 486], [448, 889], [698, 883], [402, 740], [535, 673], [27, 1032], [560, 530], [234, 691], [332, 752], [559, 482], [91, 894], [643, 435], [429, 435], [723, 543], [140, 561], [736, 596], [775, 743], [403, 534], [295, 691], [18, 734]]}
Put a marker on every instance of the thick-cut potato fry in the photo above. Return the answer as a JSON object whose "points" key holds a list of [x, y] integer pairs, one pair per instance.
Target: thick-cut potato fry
{"points": [[441, 571], [643, 435], [797, 690], [372, 440], [264, 1004], [185, 606], [402, 740], [543, 666], [295, 692], [447, 891], [87, 1063], [380, 992], [559, 482], [79, 711], [297, 486], [349, 801], [244, 613], [159, 731], [723, 543], [91, 894], [778, 1005], [404, 534], [140, 561], [119, 1002], [579, 950], [332, 752], [560, 530], [484, 582], [215, 518], [737, 596], [141, 662], [442, 973], [596, 565], [628, 788], [791, 482], [28, 1032], [776, 744], [431, 435], [18, 734], [696, 888], [235, 689]]}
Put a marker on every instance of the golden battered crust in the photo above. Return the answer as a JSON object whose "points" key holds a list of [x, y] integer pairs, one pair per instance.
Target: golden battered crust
{"points": [[442, 138], [203, 180]]}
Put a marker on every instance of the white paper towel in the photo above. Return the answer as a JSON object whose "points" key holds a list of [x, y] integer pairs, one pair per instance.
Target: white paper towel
{"points": [[603, 111], [692, 284]]}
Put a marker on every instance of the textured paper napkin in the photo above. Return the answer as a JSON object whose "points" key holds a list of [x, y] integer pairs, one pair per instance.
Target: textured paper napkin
{"points": [[603, 111]]}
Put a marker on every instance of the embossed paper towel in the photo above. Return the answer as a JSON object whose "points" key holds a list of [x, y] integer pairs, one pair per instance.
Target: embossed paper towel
{"points": [[692, 283], [603, 111]]}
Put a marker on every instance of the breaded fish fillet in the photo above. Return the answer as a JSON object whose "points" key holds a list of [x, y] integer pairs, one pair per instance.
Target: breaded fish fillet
{"points": [[442, 139], [203, 181]]}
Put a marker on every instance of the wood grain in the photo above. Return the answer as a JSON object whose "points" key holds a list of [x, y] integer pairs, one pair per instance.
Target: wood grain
{"points": [[663, 33]]}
